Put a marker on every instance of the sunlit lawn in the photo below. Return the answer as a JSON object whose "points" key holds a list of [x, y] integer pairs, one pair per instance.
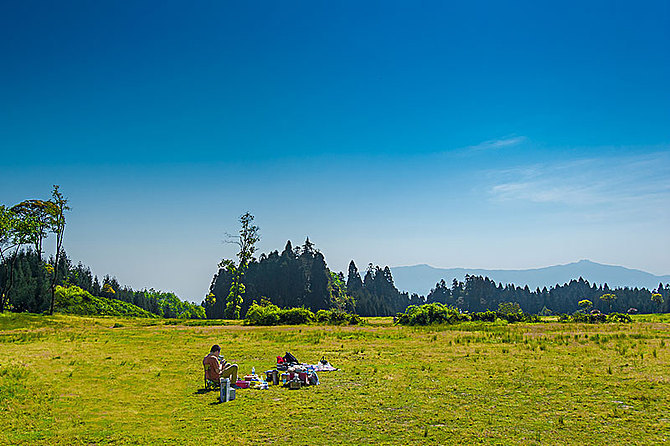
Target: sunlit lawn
{"points": [[67, 379]]}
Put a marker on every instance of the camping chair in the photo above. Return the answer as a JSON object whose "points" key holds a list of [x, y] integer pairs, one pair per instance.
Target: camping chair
{"points": [[209, 384]]}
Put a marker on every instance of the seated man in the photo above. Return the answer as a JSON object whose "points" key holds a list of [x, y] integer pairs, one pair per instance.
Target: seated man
{"points": [[216, 367]]}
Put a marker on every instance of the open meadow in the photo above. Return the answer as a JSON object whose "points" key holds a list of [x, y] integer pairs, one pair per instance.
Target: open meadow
{"points": [[71, 380]]}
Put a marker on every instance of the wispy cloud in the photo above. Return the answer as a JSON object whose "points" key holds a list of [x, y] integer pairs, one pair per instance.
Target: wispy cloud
{"points": [[496, 144], [639, 183], [545, 192]]}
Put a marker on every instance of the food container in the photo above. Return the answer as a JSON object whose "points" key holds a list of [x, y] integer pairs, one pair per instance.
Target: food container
{"points": [[242, 384], [285, 377]]}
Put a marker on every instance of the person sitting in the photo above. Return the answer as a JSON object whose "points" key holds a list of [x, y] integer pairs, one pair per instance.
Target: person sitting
{"points": [[216, 367]]}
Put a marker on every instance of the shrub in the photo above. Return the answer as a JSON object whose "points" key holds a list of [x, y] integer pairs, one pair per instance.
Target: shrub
{"points": [[437, 313], [509, 307], [619, 317], [531, 318], [545, 312], [336, 317], [512, 312], [266, 314], [563, 317], [485, 316], [434, 313], [520, 317], [295, 316], [511, 317], [587, 318]]}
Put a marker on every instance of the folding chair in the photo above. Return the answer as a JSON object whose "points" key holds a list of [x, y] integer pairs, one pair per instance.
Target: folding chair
{"points": [[209, 384]]}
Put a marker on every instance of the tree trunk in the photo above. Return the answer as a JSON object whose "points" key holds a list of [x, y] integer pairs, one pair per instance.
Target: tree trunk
{"points": [[59, 243]]}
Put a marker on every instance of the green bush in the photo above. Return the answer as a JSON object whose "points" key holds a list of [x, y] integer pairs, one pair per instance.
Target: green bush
{"points": [[589, 318], [437, 313], [619, 317], [596, 318], [512, 312], [270, 314], [434, 313], [336, 317], [508, 307], [295, 316], [74, 300], [520, 317], [484, 316], [267, 313]]}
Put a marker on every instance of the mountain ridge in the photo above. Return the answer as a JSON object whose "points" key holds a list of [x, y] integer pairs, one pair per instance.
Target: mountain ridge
{"points": [[422, 277]]}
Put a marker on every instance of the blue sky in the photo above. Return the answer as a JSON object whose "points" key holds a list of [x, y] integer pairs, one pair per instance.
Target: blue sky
{"points": [[477, 134]]}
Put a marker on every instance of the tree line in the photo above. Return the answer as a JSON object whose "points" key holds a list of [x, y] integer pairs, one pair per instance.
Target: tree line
{"points": [[300, 277], [479, 293], [31, 288], [28, 281], [296, 277]]}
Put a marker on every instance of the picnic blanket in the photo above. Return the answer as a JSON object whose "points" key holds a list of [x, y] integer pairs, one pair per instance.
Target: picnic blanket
{"points": [[321, 366], [291, 363]]}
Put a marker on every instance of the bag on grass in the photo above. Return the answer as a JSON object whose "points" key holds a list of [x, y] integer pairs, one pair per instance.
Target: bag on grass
{"points": [[290, 359]]}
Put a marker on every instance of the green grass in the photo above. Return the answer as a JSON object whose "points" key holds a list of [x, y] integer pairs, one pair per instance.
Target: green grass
{"points": [[80, 380]]}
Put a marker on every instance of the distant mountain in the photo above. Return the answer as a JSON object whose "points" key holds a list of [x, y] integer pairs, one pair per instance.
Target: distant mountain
{"points": [[421, 278]]}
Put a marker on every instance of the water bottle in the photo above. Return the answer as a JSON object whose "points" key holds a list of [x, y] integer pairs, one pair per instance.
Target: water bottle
{"points": [[225, 390], [253, 371]]}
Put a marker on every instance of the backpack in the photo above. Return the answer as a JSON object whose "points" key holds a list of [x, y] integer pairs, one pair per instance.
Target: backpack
{"points": [[290, 359]]}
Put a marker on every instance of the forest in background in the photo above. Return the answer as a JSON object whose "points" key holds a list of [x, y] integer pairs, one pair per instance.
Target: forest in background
{"points": [[28, 281], [30, 291], [296, 277], [299, 277]]}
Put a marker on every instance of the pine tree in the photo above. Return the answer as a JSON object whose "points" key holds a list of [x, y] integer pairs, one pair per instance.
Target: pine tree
{"points": [[354, 282]]}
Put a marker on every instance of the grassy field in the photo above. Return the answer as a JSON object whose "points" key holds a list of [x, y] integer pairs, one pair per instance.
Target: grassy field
{"points": [[71, 380]]}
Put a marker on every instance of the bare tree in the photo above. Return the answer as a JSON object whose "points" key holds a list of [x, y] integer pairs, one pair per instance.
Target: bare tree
{"points": [[57, 226], [246, 241]]}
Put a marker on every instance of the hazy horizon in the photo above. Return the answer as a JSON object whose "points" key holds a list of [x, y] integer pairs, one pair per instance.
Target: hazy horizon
{"points": [[487, 135]]}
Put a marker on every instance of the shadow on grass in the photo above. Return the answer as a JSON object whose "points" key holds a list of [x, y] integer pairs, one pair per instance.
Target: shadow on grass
{"points": [[204, 391]]}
